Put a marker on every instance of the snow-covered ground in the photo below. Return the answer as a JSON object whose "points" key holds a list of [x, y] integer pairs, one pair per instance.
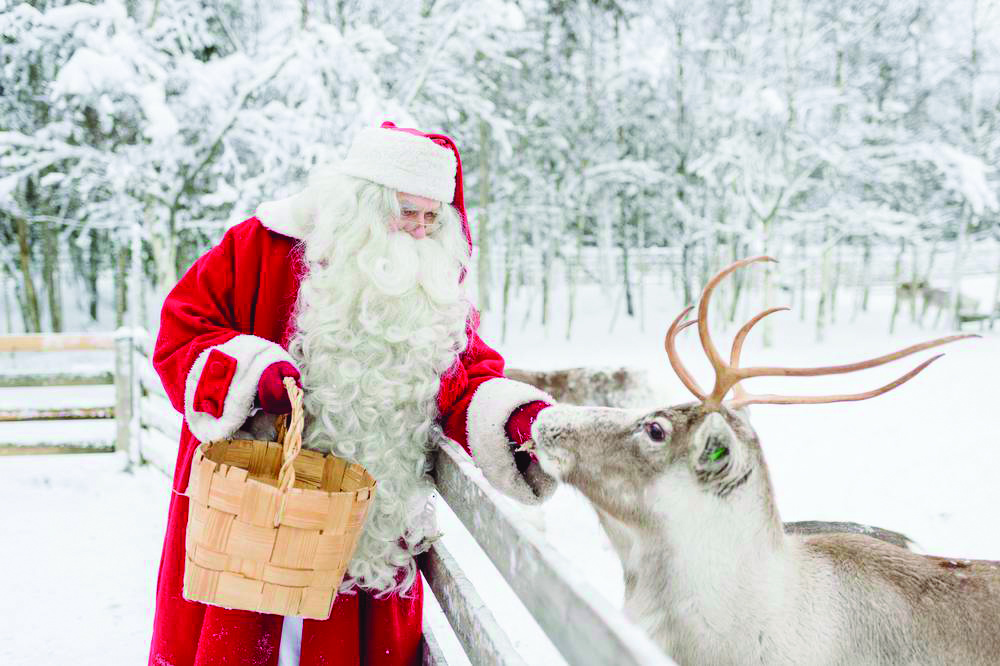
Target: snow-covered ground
{"points": [[81, 544], [78, 564]]}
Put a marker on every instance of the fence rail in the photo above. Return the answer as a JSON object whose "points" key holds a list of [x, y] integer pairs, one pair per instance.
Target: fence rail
{"points": [[15, 378], [120, 342]]}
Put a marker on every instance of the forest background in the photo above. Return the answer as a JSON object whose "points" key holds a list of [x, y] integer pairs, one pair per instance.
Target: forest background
{"points": [[608, 142]]}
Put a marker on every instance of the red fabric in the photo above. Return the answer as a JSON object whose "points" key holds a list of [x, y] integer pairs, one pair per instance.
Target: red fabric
{"points": [[519, 424], [214, 386], [248, 284], [518, 431], [271, 392]]}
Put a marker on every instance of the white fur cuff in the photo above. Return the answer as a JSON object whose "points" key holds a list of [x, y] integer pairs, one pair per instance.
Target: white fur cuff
{"points": [[252, 356], [490, 409]]}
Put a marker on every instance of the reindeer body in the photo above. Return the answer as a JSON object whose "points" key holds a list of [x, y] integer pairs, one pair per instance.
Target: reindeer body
{"points": [[711, 574]]}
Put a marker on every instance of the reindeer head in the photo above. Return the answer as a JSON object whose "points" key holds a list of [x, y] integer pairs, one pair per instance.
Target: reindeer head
{"points": [[617, 457], [690, 457]]}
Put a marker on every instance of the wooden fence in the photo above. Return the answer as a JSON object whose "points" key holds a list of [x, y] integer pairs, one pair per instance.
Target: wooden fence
{"points": [[582, 626], [121, 342]]}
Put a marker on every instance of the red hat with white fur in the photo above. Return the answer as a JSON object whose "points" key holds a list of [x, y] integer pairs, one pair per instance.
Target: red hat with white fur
{"points": [[410, 161]]}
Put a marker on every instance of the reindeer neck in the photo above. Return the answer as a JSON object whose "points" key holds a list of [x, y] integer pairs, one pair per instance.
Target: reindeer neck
{"points": [[722, 563]]}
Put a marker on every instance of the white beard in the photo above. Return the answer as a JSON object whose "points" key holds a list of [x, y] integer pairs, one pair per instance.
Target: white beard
{"points": [[380, 317]]}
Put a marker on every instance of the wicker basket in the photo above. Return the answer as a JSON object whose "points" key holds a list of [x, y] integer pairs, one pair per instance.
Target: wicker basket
{"points": [[271, 527]]}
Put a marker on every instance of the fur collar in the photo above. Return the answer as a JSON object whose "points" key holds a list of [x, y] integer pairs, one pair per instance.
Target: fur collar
{"points": [[291, 216]]}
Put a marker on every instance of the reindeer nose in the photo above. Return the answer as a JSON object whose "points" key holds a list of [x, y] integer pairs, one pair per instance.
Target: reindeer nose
{"points": [[542, 423]]}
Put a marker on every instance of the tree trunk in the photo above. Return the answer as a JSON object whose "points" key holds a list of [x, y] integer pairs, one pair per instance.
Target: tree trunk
{"points": [[835, 286], [895, 280], [571, 275], [546, 284], [30, 311], [623, 240], [686, 272], [956, 268], [824, 279], [768, 332], [738, 278], [508, 272], [483, 220], [50, 274], [8, 309], [93, 269], [803, 276], [866, 275], [121, 285]]}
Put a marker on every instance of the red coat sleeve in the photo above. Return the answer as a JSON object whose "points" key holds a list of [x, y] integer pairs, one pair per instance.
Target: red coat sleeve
{"points": [[205, 354], [476, 403]]}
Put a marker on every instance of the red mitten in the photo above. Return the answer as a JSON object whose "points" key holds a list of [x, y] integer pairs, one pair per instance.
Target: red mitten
{"points": [[271, 393], [519, 431]]}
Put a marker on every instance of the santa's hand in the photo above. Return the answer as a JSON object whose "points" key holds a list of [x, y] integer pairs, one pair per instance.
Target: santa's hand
{"points": [[519, 432], [271, 393]]}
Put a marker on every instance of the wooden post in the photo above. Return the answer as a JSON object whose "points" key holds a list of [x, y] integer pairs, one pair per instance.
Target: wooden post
{"points": [[123, 391]]}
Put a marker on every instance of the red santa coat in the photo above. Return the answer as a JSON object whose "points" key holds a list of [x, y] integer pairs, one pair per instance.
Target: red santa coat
{"points": [[227, 319]]}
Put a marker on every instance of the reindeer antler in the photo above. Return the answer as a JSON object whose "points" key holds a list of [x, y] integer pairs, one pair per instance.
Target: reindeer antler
{"points": [[728, 375]]}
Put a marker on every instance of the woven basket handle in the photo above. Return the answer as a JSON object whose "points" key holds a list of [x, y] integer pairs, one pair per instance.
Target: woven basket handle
{"points": [[290, 437]]}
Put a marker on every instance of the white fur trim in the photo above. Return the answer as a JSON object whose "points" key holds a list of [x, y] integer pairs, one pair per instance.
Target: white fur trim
{"points": [[291, 216], [403, 161], [290, 647], [490, 409], [252, 356]]}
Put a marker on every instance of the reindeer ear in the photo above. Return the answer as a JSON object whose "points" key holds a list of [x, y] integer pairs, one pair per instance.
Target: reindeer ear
{"points": [[715, 453], [718, 459]]}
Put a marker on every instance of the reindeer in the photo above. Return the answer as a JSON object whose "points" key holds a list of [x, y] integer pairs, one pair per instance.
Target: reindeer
{"points": [[685, 496]]}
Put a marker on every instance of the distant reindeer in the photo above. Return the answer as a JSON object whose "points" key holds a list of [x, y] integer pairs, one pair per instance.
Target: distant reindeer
{"points": [[940, 299], [711, 574]]}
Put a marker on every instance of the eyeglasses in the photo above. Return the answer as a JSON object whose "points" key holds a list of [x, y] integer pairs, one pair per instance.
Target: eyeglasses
{"points": [[411, 219]]}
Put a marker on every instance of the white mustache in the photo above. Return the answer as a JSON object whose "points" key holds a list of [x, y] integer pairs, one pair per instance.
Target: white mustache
{"points": [[408, 263]]}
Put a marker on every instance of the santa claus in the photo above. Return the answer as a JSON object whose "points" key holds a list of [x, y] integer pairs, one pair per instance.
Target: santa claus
{"points": [[355, 287]]}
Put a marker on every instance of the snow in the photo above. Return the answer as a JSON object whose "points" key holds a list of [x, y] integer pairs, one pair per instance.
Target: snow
{"points": [[78, 564], [89, 72], [86, 433], [57, 397], [162, 122], [921, 460]]}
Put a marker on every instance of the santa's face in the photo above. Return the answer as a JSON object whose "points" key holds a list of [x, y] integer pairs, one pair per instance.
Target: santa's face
{"points": [[418, 215]]}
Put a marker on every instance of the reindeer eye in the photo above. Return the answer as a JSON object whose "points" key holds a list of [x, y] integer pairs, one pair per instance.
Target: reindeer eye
{"points": [[655, 431]]}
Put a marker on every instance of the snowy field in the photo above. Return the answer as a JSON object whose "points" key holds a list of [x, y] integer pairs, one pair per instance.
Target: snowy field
{"points": [[78, 565]]}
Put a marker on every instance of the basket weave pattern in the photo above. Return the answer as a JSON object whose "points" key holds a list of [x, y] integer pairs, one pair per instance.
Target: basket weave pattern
{"points": [[271, 527]]}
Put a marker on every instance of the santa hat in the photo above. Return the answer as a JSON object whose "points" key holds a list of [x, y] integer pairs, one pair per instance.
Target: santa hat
{"points": [[410, 161], [404, 159]]}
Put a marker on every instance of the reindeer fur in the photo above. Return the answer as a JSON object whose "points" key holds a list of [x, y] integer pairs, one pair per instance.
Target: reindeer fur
{"points": [[714, 578]]}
